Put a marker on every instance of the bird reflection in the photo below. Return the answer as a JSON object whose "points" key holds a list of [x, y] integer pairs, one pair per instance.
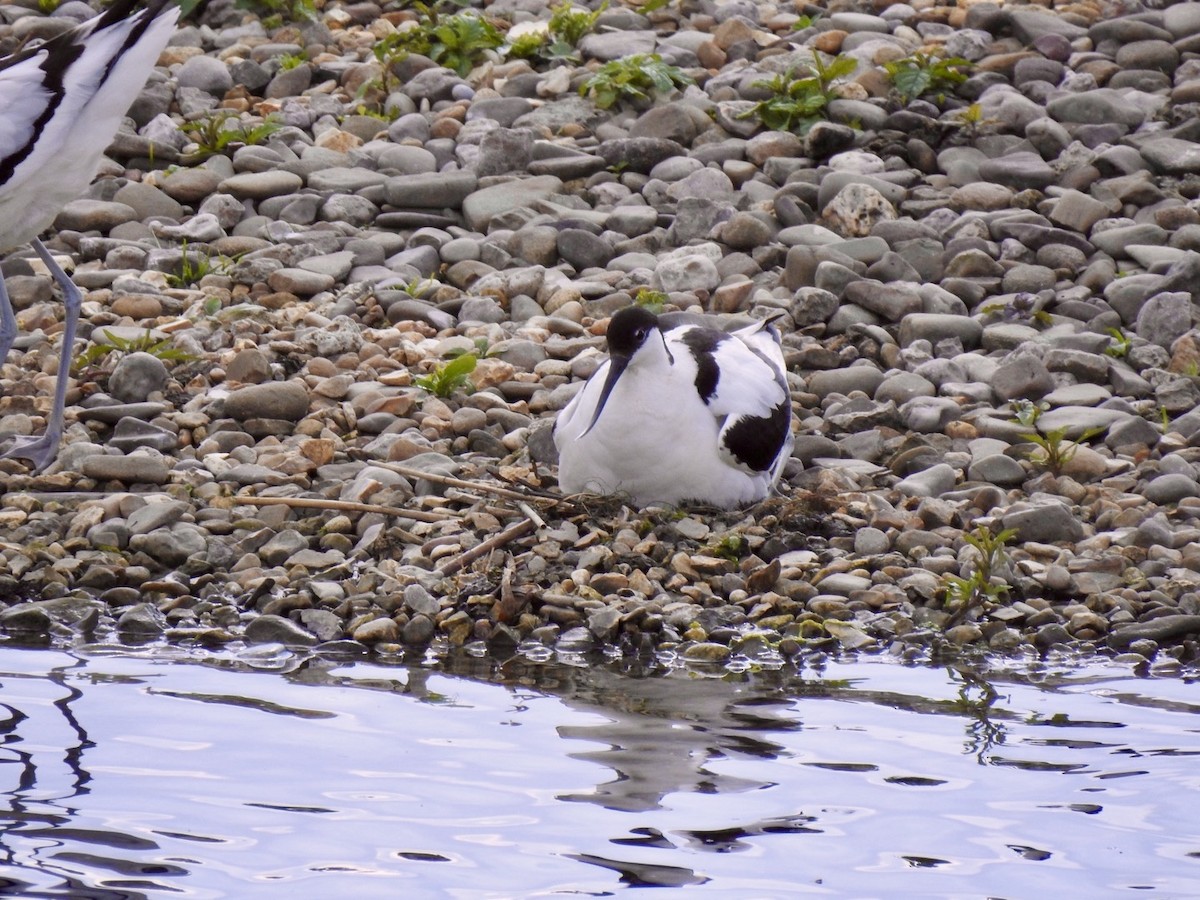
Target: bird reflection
{"points": [[40, 794], [660, 734]]}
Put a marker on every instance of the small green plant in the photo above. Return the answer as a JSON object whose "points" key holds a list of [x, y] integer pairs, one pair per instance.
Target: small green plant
{"points": [[1027, 413], [448, 377], [556, 42], [459, 42], [805, 22], [652, 6], [1054, 450], [638, 77], [796, 104], [275, 12], [292, 60], [569, 24], [982, 586], [1120, 345], [650, 299], [972, 120], [194, 267], [1164, 419], [48, 6], [215, 134], [926, 73], [731, 546], [160, 349]]}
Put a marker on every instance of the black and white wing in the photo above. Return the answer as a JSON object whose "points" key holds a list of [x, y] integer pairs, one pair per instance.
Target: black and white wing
{"points": [[745, 389], [63, 100]]}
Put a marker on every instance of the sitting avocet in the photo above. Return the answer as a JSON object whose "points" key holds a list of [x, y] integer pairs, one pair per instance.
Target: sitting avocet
{"points": [[679, 413], [60, 105]]}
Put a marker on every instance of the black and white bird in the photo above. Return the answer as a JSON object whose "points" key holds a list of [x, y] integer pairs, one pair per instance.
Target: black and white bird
{"points": [[61, 103], [679, 413]]}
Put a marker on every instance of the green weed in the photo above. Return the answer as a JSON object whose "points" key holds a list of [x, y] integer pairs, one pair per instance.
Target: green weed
{"points": [[1027, 413], [448, 377], [292, 60], [982, 586], [193, 268], [1054, 450], [638, 77], [146, 343], [926, 73], [796, 104], [566, 27], [1120, 345], [650, 299], [275, 12], [459, 42], [215, 134]]}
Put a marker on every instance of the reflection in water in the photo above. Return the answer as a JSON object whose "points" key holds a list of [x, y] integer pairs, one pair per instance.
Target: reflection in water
{"points": [[46, 756], [129, 775]]}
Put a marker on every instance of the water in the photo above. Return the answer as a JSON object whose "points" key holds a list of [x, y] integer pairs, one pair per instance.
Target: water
{"points": [[147, 774]]}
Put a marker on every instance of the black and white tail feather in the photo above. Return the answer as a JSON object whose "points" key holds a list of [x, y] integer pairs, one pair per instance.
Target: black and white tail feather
{"points": [[681, 411], [61, 103]]}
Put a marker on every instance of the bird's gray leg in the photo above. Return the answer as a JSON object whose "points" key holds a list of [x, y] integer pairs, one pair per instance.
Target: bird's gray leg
{"points": [[8, 322], [41, 451]]}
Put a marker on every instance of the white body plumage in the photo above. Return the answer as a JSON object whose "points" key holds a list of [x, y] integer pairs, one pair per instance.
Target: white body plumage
{"points": [[678, 414]]}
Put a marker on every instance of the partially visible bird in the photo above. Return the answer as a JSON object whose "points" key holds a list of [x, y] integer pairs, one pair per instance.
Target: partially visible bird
{"points": [[679, 413], [61, 103]]}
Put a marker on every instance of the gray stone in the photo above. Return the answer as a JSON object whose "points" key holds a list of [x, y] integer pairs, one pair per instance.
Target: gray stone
{"points": [[1044, 523], [902, 387], [480, 207], [1172, 156], [131, 469], [136, 376], [273, 400], [261, 185], [892, 302], [934, 327], [1020, 170], [997, 469], [205, 73], [863, 378], [1097, 107], [1170, 488], [1024, 377], [155, 515], [433, 190], [1165, 318], [142, 620], [272, 629], [94, 215], [931, 482]]}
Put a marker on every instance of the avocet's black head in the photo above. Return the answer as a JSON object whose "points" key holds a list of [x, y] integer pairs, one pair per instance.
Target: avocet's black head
{"points": [[629, 329], [627, 333]]}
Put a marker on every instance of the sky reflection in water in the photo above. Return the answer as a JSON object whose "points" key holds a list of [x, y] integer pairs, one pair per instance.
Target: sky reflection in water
{"points": [[133, 775]]}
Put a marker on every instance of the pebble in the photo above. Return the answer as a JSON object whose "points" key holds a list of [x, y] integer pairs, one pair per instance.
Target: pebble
{"points": [[939, 287]]}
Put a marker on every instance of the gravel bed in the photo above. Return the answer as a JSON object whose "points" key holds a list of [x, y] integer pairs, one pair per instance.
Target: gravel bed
{"points": [[255, 459]]}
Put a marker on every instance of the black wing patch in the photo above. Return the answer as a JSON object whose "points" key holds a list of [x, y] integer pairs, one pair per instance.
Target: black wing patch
{"points": [[703, 342], [755, 441]]}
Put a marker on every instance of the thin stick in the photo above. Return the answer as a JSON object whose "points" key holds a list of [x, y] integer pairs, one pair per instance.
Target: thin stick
{"points": [[464, 559], [417, 515], [453, 482]]}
